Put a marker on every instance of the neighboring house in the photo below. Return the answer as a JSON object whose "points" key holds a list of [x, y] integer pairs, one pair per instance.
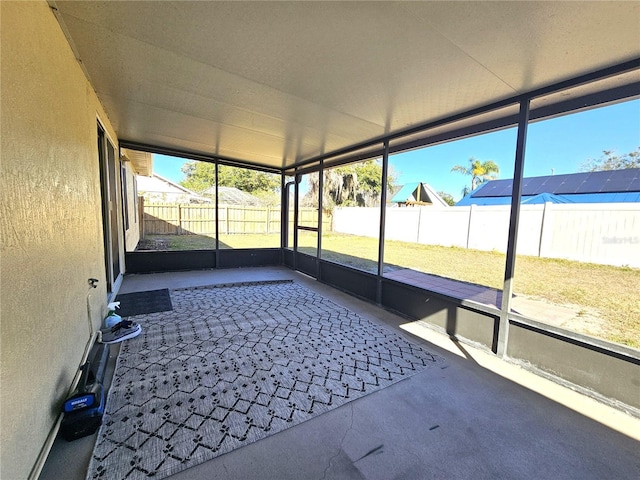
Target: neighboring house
{"points": [[420, 194], [233, 196], [610, 186], [157, 189]]}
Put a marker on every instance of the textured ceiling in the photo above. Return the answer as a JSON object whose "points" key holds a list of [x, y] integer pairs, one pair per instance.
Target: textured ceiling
{"points": [[276, 83]]}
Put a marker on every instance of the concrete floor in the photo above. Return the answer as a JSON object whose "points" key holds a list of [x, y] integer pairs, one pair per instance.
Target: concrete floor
{"points": [[476, 417]]}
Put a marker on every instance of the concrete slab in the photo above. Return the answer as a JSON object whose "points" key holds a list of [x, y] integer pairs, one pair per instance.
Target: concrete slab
{"points": [[476, 417], [571, 317]]}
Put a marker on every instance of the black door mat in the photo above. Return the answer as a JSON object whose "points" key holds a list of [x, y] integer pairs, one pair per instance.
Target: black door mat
{"points": [[141, 303]]}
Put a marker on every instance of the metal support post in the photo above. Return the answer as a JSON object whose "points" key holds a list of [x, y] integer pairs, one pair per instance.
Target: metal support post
{"points": [[296, 195], [319, 233], [507, 290], [217, 218], [383, 216], [284, 211]]}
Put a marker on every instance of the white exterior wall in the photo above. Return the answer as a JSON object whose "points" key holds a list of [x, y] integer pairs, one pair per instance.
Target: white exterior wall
{"points": [[132, 234]]}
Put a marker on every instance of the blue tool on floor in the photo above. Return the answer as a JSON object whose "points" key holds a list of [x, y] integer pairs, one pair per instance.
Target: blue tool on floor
{"points": [[84, 408]]}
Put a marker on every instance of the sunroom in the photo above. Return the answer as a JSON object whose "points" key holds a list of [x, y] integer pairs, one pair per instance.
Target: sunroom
{"points": [[339, 105]]}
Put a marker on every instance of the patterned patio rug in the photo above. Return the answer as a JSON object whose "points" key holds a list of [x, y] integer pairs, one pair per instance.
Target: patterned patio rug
{"points": [[232, 364]]}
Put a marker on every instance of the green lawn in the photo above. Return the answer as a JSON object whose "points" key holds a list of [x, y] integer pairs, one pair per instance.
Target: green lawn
{"points": [[201, 242], [612, 292]]}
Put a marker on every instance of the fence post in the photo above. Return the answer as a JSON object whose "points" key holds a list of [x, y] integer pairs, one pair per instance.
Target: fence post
{"points": [[547, 205], [268, 218], [227, 220], [141, 216], [469, 225], [179, 219]]}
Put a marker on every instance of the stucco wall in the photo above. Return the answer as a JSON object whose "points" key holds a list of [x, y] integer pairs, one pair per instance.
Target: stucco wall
{"points": [[50, 227]]}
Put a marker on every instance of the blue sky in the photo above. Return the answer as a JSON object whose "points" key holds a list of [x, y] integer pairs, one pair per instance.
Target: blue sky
{"points": [[561, 144]]}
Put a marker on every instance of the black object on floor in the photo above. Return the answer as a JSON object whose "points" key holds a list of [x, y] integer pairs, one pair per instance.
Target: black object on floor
{"points": [[140, 303], [84, 408]]}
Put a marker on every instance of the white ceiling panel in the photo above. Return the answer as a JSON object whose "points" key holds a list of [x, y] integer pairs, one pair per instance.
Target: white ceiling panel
{"points": [[276, 83], [532, 44]]}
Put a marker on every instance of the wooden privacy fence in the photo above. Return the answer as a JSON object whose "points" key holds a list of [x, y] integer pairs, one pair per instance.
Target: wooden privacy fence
{"points": [[187, 219]]}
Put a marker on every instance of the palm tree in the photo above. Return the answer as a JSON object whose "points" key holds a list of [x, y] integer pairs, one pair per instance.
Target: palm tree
{"points": [[479, 171]]}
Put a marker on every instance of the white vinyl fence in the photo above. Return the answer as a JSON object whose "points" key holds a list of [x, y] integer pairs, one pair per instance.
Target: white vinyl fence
{"points": [[607, 234]]}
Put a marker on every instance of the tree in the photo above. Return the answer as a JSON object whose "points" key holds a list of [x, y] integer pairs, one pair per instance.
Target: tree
{"points": [[610, 161], [447, 198], [480, 172], [358, 184], [201, 175]]}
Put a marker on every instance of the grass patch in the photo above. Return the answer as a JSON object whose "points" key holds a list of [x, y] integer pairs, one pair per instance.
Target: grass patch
{"points": [[204, 242], [610, 291]]}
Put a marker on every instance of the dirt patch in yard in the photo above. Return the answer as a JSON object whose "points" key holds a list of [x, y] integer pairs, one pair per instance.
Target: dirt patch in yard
{"points": [[576, 318], [153, 244]]}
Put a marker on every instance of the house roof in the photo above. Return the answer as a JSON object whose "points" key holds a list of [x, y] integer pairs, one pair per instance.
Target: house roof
{"points": [[609, 181], [418, 193], [611, 186], [546, 198], [158, 184], [233, 196], [142, 162], [277, 84]]}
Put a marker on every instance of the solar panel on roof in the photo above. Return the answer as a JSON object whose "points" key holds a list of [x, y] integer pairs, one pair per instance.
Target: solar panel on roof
{"points": [[622, 180], [616, 185], [528, 186], [505, 188], [576, 183], [592, 185], [494, 188], [555, 184], [634, 184], [533, 185], [570, 184], [487, 187]]}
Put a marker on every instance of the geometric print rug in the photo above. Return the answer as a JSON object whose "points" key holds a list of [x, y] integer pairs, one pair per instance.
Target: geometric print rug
{"points": [[232, 364]]}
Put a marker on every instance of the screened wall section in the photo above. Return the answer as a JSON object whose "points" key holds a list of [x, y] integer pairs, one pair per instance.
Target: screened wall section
{"points": [[248, 208], [436, 237], [578, 250], [306, 215], [188, 204], [351, 203], [177, 199]]}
